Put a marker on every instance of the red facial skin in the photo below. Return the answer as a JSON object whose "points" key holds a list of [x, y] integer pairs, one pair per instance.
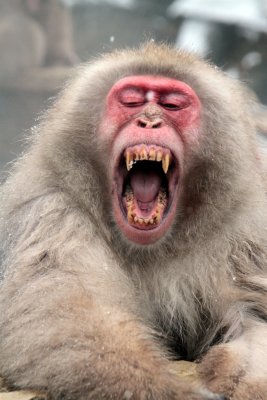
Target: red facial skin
{"points": [[149, 110]]}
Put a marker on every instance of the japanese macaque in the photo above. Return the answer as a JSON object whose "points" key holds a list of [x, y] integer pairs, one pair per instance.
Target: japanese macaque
{"points": [[34, 33], [135, 234]]}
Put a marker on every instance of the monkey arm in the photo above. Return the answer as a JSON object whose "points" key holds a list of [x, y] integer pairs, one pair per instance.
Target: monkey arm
{"points": [[43, 349], [57, 337], [238, 366], [63, 320]]}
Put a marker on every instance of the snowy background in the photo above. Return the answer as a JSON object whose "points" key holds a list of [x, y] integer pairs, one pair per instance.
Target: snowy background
{"points": [[232, 34]]}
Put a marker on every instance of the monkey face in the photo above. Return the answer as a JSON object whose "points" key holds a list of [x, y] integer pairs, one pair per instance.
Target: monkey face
{"points": [[153, 118]]}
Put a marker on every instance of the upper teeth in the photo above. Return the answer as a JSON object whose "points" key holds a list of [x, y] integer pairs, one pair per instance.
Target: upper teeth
{"points": [[151, 153]]}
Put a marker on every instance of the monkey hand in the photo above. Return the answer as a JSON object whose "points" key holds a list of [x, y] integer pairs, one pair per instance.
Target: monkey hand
{"points": [[238, 369]]}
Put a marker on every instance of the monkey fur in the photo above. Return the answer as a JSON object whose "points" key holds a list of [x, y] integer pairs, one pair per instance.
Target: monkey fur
{"points": [[87, 313]]}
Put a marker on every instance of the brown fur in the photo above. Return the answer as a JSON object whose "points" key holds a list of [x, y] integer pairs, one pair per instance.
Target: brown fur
{"points": [[34, 40], [84, 313]]}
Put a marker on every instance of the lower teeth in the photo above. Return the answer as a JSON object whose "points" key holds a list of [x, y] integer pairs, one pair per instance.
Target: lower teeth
{"points": [[157, 214]]}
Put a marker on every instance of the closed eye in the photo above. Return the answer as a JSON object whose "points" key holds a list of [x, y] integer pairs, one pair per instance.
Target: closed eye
{"points": [[174, 101], [132, 97], [133, 103], [170, 106]]}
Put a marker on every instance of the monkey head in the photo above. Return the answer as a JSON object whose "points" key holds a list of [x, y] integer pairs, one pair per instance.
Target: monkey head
{"points": [[152, 118], [152, 141]]}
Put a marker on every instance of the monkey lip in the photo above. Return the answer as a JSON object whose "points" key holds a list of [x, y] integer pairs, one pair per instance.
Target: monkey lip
{"points": [[146, 192]]}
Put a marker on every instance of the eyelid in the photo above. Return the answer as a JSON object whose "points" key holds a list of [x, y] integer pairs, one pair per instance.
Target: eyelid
{"points": [[174, 101], [132, 97]]}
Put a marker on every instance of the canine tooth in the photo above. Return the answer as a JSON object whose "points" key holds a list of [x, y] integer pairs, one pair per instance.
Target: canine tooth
{"points": [[151, 221], [135, 219], [159, 155], [129, 160], [166, 163], [152, 154]]}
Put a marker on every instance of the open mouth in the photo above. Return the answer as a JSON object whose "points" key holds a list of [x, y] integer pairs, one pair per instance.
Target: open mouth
{"points": [[147, 177]]}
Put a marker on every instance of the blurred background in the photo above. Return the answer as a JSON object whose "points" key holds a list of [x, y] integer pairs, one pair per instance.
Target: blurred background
{"points": [[41, 41]]}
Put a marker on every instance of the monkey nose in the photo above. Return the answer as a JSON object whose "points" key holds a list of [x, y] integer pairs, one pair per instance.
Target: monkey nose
{"points": [[149, 124]]}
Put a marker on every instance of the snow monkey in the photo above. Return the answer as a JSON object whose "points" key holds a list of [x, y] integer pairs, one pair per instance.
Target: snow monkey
{"points": [[34, 33], [134, 231]]}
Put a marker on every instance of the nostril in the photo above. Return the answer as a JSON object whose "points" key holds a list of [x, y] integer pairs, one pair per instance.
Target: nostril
{"points": [[141, 124], [151, 124], [156, 124]]}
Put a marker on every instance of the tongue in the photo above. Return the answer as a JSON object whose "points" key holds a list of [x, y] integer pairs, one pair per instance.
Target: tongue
{"points": [[145, 185]]}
